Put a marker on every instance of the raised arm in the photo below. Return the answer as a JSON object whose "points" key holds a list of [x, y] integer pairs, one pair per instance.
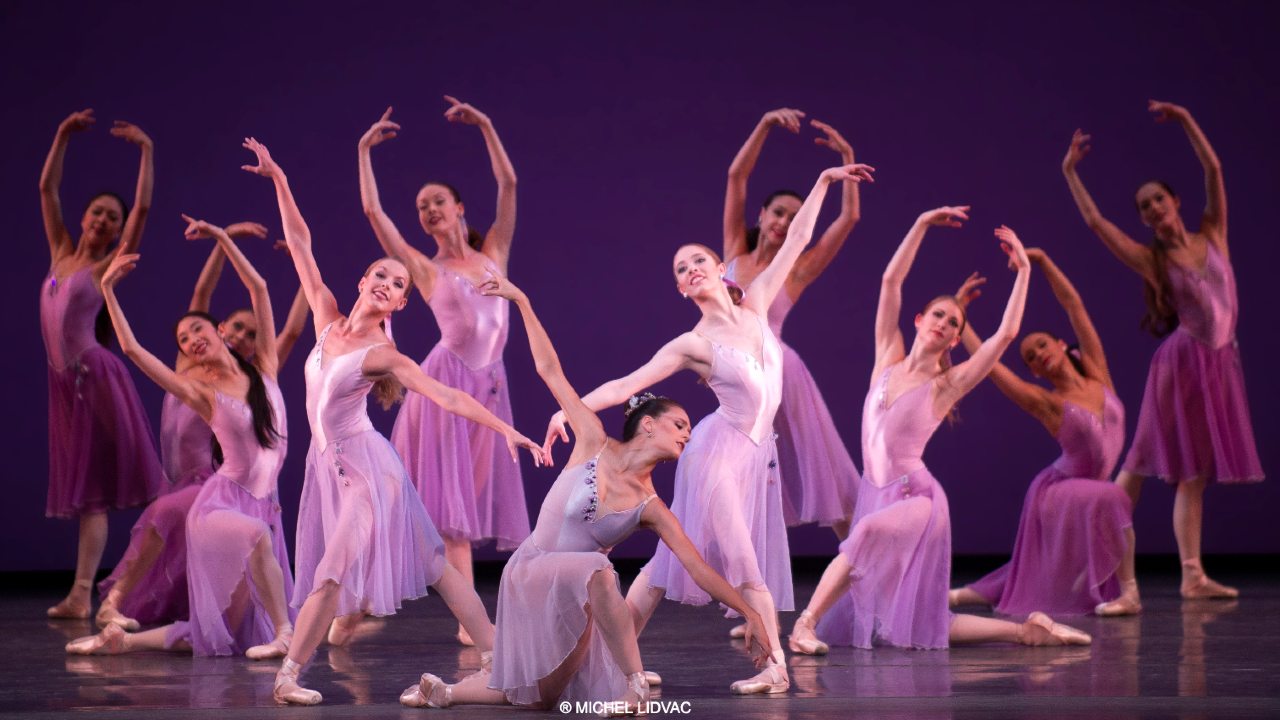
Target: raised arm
{"points": [[385, 360], [1214, 221], [1132, 253], [812, 263], [964, 376], [421, 269], [1095, 360], [183, 388], [292, 329], [735, 195], [55, 229], [889, 345], [202, 294], [265, 341], [132, 233], [298, 237], [765, 287], [497, 242]]}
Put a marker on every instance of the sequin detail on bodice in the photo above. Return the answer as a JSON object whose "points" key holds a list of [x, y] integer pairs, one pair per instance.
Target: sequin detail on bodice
{"points": [[1090, 446], [1206, 300], [778, 309], [894, 437], [572, 518], [68, 310], [336, 392], [244, 461], [749, 389], [472, 326]]}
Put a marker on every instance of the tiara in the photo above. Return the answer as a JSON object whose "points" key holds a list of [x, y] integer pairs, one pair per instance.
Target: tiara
{"points": [[637, 400]]}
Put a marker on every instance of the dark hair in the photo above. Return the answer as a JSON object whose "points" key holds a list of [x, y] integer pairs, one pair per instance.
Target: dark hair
{"points": [[1161, 318], [646, 405], [103, 331], [1073, 352], [735, 290], [753, 235], [474, 238]]}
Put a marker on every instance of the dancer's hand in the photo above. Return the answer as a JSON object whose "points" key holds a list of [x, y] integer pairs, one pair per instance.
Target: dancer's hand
{"points": [[130, 132], [969, 290], [1079, 148], [857, 172], [283, 246], [948, 216], [78, 121], [266, 167], [463, 112], [515, 441], [1012, 247], [384, 129], [496, 286], [788, 118], [833, 139], [201, 230], [555, 429], [1037, 256], [757, 640], [1165, 111], [120, 266], [247, 229]]}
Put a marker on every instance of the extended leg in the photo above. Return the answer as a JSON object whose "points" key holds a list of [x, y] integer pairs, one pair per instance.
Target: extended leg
{"points": [[1188, 515]]}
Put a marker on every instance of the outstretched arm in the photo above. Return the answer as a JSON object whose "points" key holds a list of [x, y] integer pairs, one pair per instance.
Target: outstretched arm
{"points": [[292, 329], [765, 287], [298, 237], [55, 229], [1132, 253], [497, 242], [889, 343], [812, 263], [202, 294], [735, 195], [1095, 360], [1214, 221], [131, 236], [421, 269], [183, 388]]}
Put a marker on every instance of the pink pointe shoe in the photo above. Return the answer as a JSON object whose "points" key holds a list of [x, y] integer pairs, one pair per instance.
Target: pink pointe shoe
{"points": [[108, 642], [738, 632], [773, 679], [277, 648], [1127, 604], [1040, 629], [430, 692], [287, 691], [109, 614], [636, 702], [75, 606], [803, 638]]}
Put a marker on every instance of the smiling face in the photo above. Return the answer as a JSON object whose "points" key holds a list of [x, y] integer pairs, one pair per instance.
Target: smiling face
{"points": [[240, 332], [1044, 354], [941, 323], [385, 285], [775, 218], [698, 270], [198, 338], [1157, 204], [103, 220], [438, 209]]}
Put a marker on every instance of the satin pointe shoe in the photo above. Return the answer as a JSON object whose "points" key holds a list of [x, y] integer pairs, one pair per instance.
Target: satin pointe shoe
{"points": [[287, 691], [73, 609], [803, 639], [1127, 604], [737, 632], [1040, 629], [109, 614], [638, 686], [430, 691], [653, 678], [773, 679], [277, 648], [343, 628], [108, 642]]}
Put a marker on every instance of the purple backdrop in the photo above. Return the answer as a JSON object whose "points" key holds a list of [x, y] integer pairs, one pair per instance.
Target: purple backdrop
{"points": [[621, 120]]}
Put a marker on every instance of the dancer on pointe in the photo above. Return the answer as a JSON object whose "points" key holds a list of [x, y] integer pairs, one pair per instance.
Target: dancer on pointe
{"points": [[564, 632], [102, 453], [471, 493], [149, 584], [819, 479], [1194, 426], [365, 542], [726, 492], [238, 576], [890, 578], [1074, 550]]}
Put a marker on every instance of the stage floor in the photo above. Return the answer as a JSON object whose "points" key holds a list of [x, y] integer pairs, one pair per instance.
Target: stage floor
{"points": [[1179, 659]]}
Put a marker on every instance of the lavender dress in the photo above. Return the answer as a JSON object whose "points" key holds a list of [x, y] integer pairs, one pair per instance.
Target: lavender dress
{"points": [[360, 523], [234, 509], [186, 451], [1194, 421], [899, 547], [543, 599], [1071, 535], [102, 453], [462, 471], [819, 479], [727, 494]]}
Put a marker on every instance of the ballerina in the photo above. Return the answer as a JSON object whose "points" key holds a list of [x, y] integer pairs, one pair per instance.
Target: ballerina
{"points": [[1194, 426], [890, 578], [819, 479], [564, 631], [365, 542], [102, 452], [1074, 550]]}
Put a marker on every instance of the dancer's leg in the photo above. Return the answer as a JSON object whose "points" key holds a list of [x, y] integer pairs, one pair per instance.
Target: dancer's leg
{"points": [[1188, 516], [643, 601], [457, 552], [313, 620], [268, 580], [1131, 483], [113, 640], [459, 594], [1038, 629], [93, 540], [965, 596], [1129, 602]]}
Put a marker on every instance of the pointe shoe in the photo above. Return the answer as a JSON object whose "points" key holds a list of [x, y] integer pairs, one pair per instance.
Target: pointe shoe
{"points": [[287, 691], [1127, 604], [803, 639], [342, 629], [653, 678], [638, 686], [73, 609], [1040, 629], [1207, 589], [738, 632], [109, 614], [773, 679], [277, 648], [464, 637], [108, 642], [430, 691]]}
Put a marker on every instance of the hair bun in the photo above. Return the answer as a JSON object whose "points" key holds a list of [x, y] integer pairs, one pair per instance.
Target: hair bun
{"points": [[635, 401]]}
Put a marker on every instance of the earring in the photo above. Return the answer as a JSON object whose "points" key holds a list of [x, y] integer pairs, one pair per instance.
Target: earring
{"points": [[685, 295], [649, 435]]}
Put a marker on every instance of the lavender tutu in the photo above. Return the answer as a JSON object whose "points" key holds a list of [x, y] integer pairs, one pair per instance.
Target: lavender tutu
{"points": [[727, 496], [463, 472], [1194, 422], [899, 545], [543, 601], [361, 525], [1071, 534], [102, 453]]}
